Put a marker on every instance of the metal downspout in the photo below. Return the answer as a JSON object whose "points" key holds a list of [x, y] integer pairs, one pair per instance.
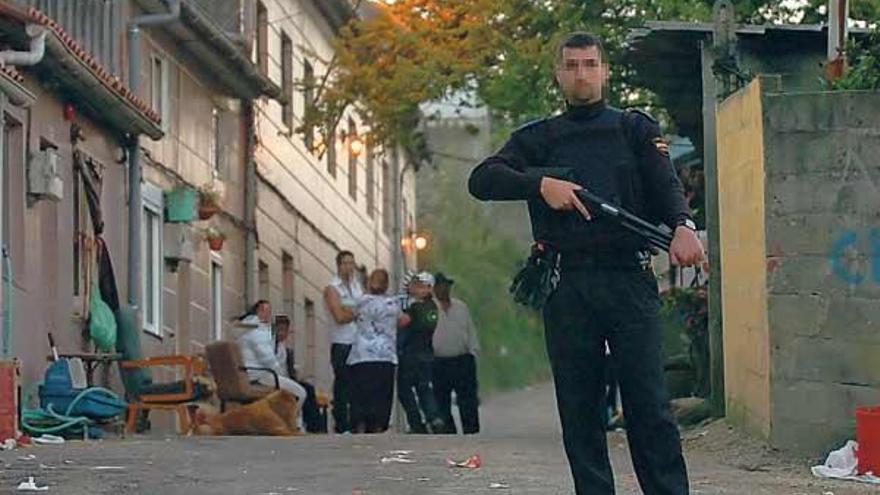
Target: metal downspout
{"points": [[250, 200], [396, 236], [5, 268], [134, 166], [37, 34]]}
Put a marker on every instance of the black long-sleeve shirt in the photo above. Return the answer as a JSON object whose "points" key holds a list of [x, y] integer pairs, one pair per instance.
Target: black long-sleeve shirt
{"points": [[619, 155]]}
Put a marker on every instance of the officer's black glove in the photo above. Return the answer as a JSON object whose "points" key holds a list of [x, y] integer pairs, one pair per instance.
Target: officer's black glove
{"points": [[537, 280]]}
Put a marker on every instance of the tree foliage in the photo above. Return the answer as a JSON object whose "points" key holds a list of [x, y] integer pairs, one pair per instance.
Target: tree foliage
{"points": [[864, 70], [403, 53]]}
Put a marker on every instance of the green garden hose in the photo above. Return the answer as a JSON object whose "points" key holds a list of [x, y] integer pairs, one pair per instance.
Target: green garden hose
{"points": [[30, 418]]}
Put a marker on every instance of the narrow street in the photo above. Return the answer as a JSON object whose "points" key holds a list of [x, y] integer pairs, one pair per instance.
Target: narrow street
{"points": [[520, 450]]}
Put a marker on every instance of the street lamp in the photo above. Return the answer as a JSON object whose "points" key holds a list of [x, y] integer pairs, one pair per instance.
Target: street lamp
{"points": [[414, 240], [318, 143], [351, 139], [355, 145], [420, 242]]}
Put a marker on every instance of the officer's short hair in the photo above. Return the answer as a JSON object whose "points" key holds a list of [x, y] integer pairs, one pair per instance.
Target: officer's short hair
{"points": [[580, 39]]}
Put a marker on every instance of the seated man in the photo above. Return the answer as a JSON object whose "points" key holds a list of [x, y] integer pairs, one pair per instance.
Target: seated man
{"points": [[257, 347], [285, 357]]}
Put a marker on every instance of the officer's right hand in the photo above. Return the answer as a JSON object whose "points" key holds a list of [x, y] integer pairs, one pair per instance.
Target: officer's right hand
{"points": [[560, 195]]}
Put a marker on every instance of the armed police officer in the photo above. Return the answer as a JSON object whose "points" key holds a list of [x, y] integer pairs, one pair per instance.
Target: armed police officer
{"points": [[606, 291]]}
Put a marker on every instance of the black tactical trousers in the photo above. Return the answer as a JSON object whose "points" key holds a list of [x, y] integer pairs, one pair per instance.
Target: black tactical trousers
{"points": [[589, 306], [414, 379], [459, 375]]}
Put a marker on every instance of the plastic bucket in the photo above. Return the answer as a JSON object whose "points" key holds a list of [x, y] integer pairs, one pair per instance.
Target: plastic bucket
{"points": [[868, 437], [180, 204]]}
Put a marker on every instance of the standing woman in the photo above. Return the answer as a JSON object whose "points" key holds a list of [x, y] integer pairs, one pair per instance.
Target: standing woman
{"points": [[373, 356]]}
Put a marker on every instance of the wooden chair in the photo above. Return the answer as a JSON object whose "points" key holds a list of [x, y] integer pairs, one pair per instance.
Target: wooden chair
{"points": [[230, 375], [176, 400]]}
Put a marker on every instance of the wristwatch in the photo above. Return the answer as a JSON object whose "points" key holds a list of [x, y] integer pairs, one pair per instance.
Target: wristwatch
{"points": [[687, 222]]}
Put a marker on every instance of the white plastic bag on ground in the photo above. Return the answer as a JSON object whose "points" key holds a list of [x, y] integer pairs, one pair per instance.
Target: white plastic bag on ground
{"points": [[31, 486], [842, 464]]}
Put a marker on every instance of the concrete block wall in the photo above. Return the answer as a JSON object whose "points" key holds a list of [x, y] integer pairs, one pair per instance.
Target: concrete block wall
{"points": [[823, 285]]}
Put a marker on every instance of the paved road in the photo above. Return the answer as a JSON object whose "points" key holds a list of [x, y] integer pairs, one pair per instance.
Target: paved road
{"points": [[520, 449]]}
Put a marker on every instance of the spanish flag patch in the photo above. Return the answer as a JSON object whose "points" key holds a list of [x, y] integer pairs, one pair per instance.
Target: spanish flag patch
{"points": [[662, 145]]}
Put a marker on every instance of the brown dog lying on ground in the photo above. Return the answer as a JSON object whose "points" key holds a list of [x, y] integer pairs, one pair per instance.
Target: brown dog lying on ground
{"points": [[274, 415]]}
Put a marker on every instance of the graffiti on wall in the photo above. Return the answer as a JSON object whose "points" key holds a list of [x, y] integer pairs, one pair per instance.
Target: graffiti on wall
{"points": [[844, 253]]}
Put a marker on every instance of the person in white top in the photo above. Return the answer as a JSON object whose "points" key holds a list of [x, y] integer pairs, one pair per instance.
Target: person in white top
{"points": [[373, 356], [340, 298], [257, 346]]}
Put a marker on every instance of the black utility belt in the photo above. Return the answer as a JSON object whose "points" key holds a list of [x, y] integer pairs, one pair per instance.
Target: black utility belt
{"points": [[637, 260]]}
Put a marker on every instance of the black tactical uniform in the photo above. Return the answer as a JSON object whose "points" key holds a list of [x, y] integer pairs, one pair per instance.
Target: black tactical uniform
{"points": [[607, 290], [414, 372]]}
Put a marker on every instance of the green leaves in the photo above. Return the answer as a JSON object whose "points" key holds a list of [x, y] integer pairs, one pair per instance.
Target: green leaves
{"points": [[864, 70], [415, 51]]}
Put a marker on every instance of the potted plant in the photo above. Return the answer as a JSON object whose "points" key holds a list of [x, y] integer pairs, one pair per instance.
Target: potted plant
{"points": [[215, 238], [209, 201], [684, 316]]}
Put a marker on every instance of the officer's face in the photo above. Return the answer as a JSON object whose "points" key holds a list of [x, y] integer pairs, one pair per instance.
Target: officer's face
{"points": [[581, 74]]}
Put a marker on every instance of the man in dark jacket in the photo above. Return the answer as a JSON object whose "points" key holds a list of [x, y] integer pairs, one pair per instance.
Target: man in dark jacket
{"points": [[415, 359], [607, 290]]}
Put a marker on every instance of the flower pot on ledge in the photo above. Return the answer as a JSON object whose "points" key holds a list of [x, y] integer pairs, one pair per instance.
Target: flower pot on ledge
{"points": [[207, 211], [210, 198]]}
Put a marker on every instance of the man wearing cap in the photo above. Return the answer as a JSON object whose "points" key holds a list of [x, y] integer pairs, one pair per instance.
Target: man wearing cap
{"points": [[455, 359], [416, 356]]}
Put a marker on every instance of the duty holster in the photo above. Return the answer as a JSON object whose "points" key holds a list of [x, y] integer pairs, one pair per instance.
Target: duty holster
{"points": [[538, 278]]}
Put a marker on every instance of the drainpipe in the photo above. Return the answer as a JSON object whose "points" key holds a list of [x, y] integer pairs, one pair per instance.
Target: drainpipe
{"points": [[134, 148], [5, 268], [10, 93], [250, 199], [37, 34], [397, 181]]}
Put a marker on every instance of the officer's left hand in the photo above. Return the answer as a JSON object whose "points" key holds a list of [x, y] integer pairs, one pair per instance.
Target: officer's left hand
{"points": [[686, 248]]}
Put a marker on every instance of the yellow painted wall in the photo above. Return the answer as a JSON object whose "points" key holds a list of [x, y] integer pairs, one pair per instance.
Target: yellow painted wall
{"points": [[743, 259]]}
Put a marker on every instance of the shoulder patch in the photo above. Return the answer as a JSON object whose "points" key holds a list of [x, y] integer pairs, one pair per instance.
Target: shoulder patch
{"points": [[662, 145], [530, 124], [642, 113]]}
